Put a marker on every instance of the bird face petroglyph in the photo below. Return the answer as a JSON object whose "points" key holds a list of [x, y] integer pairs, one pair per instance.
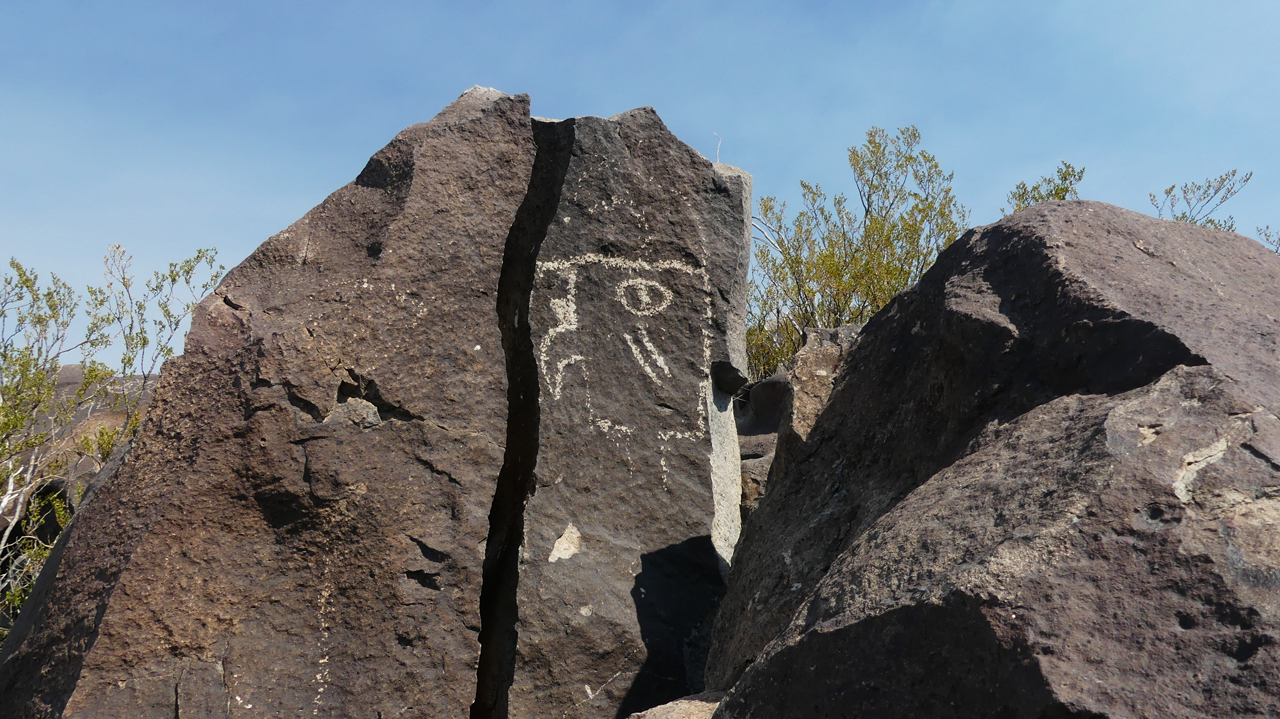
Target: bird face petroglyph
{"points": [[597, 309]]}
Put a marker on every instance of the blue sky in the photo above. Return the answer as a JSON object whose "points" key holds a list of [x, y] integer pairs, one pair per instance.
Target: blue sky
{"points": [[170, 126]]}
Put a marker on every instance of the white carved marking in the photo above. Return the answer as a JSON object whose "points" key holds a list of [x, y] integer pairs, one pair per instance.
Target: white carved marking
{"points": [[567, 545], [1193, 462], [558, 384], [643, 297], [662, 363], [640, 359], [591, 694], [607, 426], [565, 310], [643, 290], [324, 608]]}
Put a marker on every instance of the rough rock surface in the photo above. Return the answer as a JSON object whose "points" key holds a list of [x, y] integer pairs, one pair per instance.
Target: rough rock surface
{"points": [[756, 457], [759, 410], [640, 277], [300, 525], [812, 375], [1045, 486], [324, 511], [783, 407], [698, 706]]}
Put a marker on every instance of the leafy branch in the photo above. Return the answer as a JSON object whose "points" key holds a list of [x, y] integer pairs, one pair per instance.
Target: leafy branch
{"points": [[1194, 201], [833, 264], [44, 443]]}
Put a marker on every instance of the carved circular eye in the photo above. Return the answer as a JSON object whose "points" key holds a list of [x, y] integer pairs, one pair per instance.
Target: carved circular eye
{"points": [[643, 297]]}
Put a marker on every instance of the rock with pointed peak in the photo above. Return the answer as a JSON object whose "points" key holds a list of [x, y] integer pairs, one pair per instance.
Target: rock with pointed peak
{"points": [[324, 513]]}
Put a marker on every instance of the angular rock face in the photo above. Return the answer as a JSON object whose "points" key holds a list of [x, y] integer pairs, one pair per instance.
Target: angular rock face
{"points": [[698, 706], [812, 376], [1044, 486], [291, 532], [759, 411], [638, 276], [782, 408], [317, 516]]}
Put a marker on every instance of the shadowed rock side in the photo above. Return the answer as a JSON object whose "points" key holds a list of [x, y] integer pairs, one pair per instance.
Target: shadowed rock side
{"points": [[638, 279], [300, 526], [1043, 487], [779, 411]]}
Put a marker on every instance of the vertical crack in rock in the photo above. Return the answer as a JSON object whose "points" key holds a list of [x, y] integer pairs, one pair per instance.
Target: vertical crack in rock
{"points": [[498, 610], [346, 389]]}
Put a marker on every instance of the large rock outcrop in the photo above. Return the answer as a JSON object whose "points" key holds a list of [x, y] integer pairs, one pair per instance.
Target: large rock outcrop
{"points": [[635, 330], [634, 324], [300, 524], [1045, 486], [322, 511]]}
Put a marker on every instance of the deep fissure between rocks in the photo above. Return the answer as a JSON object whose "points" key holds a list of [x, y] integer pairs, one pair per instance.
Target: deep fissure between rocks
{"points": [[516, 480]]}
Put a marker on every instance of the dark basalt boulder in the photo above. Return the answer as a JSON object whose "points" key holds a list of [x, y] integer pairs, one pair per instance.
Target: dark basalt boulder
{"points": [[1044, 486], [761, 406], [300, 525], [635, 305], [323, 511]]}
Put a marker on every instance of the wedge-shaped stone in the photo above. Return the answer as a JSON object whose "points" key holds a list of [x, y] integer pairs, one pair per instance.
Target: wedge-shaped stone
{"points": [[326, 511], [300, 525], [636, 327]]}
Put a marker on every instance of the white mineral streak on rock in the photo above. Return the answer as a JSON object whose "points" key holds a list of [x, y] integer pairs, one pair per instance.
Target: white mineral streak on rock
{"points": [[567, 545], [1197, 460], [726, 476]]}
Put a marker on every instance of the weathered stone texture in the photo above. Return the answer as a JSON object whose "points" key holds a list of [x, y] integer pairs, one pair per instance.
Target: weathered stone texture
{"points": [[697, 706], [638, 279], [299, 528], [325, 511], [1043, 486], [782, 408]]}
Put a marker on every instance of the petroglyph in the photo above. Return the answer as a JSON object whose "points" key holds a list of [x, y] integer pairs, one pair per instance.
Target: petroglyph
{"points": [[1193, 462], [637, 295], [653, 352], [643, 296]]}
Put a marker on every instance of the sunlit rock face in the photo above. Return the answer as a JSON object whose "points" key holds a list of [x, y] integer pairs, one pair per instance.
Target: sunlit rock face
{"points": [[1044, 486], [634, 316], [324, 513]]}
